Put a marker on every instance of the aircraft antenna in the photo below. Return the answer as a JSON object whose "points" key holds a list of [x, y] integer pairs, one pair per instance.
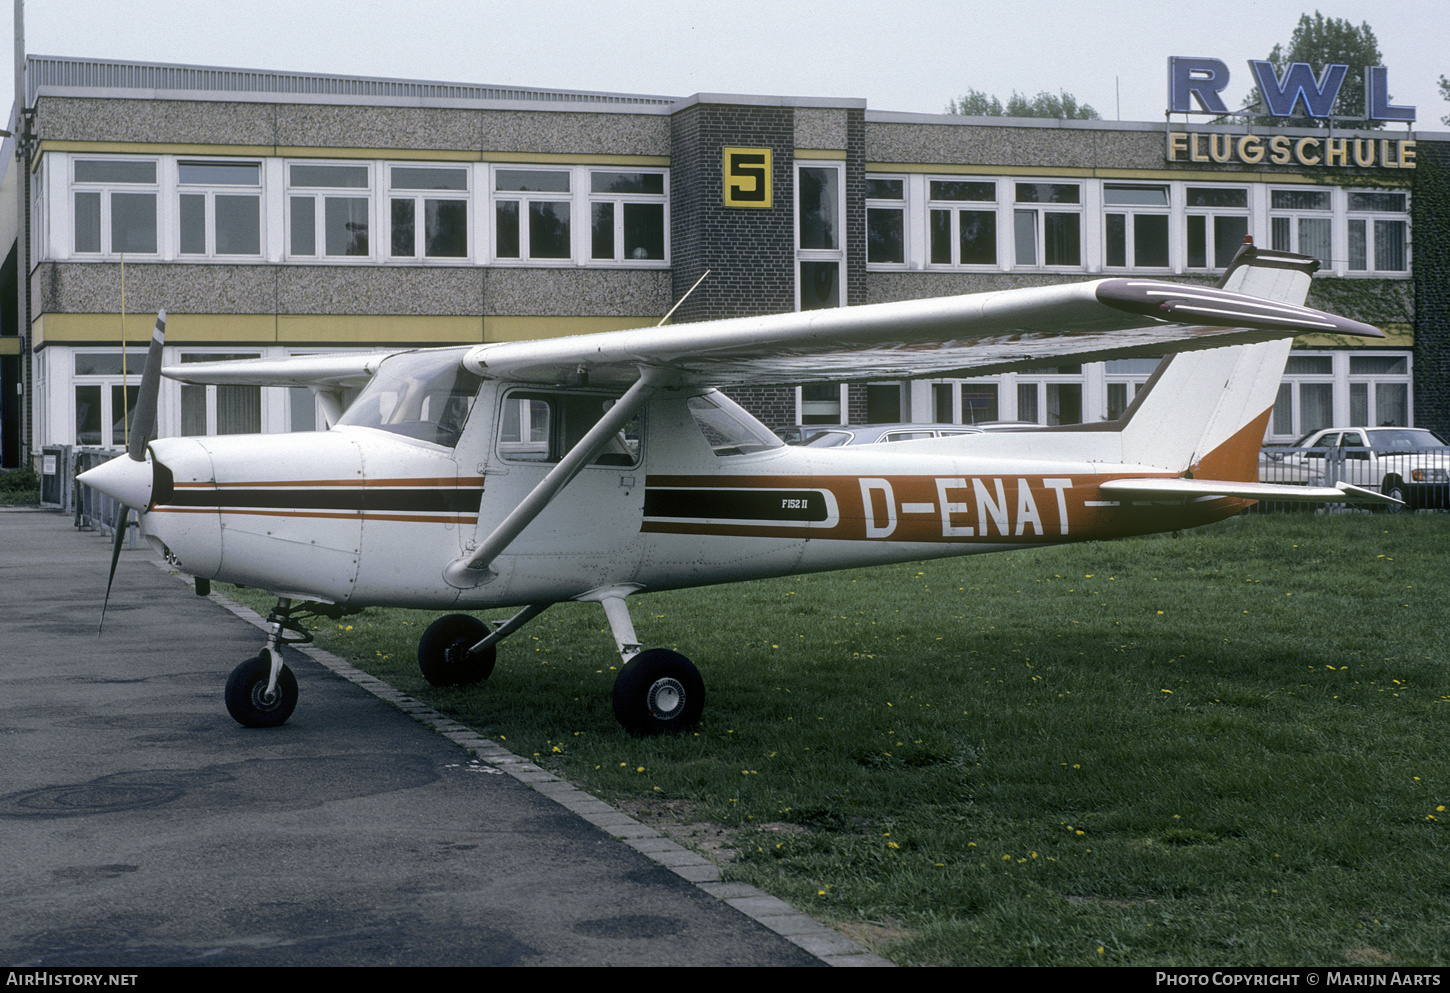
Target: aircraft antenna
{"points": [[683, 298]]}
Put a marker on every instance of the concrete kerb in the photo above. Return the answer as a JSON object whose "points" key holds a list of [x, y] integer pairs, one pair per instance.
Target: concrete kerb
{"points": [[801, 930]]}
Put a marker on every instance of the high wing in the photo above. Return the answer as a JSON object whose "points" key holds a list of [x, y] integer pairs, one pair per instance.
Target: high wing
{"points": [[968, 335], [333, 371]]}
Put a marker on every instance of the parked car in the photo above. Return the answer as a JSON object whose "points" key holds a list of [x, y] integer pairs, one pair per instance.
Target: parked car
{"points": [[796, 434], [1410, 464], [873, 434]]}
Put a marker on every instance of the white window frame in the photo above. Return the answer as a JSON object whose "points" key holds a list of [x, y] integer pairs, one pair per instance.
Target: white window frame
{"points": [[419, 199], [319, 196], [1370, 219], [842, 405], [1131, 213], [822, 255], [1295, 216], [1372, 381], [209, 192], [524, 198], [1291, 388], [218, 355], [110, 437], [954, 209], [901, 207], [1040, 210], [106, 190], [1210, 215], [619, 202]]}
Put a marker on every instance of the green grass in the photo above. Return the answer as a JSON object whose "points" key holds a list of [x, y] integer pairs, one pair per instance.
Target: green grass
{"points": [[1224, 748]]}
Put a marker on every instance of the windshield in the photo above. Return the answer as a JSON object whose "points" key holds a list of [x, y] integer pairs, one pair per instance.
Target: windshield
{"points": [[1403, 439], [423, 395]]}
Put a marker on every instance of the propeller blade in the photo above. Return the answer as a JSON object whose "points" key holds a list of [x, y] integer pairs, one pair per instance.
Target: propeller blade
{"points": [[143, 428], [123, 521], [143, 420]]}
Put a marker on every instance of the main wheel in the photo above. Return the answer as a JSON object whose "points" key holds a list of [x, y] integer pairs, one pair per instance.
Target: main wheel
{"points": [[443, 651], [657, 691], [247, 699]]}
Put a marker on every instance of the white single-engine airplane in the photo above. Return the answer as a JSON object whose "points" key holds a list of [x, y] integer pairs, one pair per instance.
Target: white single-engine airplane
{"points": [[524, 474]]}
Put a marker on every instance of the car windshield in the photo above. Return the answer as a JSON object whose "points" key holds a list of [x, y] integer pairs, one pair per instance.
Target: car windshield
{"points": [[423, 395], [1403, 439]]}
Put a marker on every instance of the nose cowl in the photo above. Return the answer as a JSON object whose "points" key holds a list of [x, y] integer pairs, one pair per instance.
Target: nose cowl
{"points": [[124, 480]]}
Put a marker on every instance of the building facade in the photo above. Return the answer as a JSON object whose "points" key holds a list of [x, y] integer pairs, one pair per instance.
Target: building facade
{"points": [[277, 214]]}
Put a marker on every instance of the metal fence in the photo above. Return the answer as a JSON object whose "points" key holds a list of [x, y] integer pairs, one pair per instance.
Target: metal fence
{"points": [[58, 487], [1420, 476]]}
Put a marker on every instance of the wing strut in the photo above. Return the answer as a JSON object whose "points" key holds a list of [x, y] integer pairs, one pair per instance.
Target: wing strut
{"points": [[472, 571]]}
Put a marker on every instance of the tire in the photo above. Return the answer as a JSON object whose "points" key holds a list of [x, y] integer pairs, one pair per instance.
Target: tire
{"points": [[246, 694], [1392, 487], [443, 651], [658, 691]]}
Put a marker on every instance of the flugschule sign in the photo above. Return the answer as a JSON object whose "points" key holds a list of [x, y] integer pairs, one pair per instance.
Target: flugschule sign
{"points": [[1201, 81]]}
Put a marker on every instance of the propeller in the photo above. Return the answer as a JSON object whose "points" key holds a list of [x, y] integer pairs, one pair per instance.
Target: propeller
{"points": [[127, 478]]}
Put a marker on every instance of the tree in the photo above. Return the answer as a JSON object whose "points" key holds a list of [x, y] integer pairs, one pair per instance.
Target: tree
{"points": [[1062, 106], [1445, 95], [1322, 41]]}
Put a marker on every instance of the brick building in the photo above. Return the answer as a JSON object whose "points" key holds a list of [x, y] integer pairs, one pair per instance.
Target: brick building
{"points": [[281, 214]]}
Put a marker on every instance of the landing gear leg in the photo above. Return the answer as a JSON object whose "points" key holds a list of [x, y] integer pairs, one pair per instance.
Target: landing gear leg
{"points": [[657, 690]]}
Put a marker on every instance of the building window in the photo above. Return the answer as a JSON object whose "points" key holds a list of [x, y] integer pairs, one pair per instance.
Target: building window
{"points": [[1056, 398], [962, 222], [1135, 225], [1305, 402], [1122, 379], [1300, 221], [1379, 230], [627, 216], [220, 208], [821, 403], [820, 219], [1217, 223], [1047, 224], [328, 210], [106, 386], [115, 206], [207, 410], [885, 220], [532, 214], [1379, 390], [428, 212], [979, 402]]}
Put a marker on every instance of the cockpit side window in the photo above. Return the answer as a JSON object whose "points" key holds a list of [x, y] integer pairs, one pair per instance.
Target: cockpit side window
{"points": [[422, 395], [540, 426], [727, 428]]}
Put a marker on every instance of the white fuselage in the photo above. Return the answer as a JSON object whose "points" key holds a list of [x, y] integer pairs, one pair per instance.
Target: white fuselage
{"points": [[363, 516]]}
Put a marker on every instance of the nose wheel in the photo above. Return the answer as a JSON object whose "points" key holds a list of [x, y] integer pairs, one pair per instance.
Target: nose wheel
{"points": [[253, 700]]}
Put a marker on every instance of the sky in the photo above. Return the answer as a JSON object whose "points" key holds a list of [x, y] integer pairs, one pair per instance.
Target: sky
{"points": [[898, 55]]}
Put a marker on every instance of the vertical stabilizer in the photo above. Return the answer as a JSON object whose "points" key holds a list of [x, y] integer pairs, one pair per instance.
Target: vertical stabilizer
{"points": [[1204, 413]]}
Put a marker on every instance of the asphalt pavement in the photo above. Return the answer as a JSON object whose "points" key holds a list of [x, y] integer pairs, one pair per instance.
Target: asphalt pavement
{"points": [[142, 826]]}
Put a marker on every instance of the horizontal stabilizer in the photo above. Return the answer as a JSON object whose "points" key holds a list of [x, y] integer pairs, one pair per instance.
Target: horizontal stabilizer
{"points": [[1179, 490]]}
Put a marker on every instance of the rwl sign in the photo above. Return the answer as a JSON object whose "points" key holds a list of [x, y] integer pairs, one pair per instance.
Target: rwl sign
{"points": [[1202, 80]]}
